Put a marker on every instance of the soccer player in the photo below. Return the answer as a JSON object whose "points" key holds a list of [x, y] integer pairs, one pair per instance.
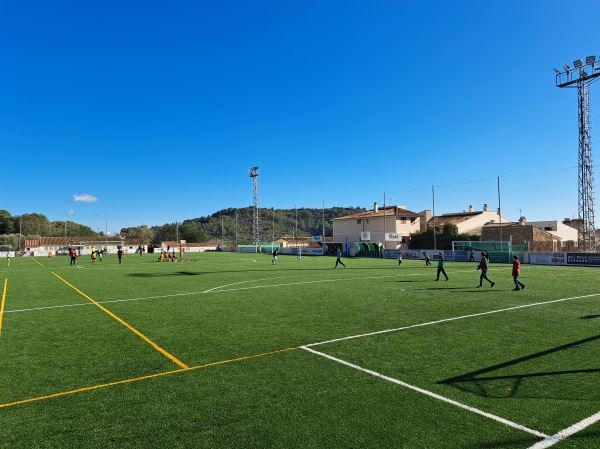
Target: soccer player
{"points": [[338, 254], [483, 266], [440, 268], [73, 257], [516, 271]]}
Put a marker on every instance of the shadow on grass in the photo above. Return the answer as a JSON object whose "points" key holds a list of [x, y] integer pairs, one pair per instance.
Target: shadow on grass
{"points": [[155, 275], [488, 382], [414, 280], [589, 317]]}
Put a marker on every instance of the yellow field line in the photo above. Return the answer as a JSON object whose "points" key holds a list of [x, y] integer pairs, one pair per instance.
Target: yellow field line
{"points": [[2, 303], [127, 325], [39, 263], [136, 379]]}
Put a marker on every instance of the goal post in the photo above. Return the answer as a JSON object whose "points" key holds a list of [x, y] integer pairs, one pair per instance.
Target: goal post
{"points": [[498, 251]]}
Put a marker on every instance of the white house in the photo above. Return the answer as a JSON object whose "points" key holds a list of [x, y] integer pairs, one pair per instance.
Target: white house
{"points": [[561, 230], [390, 225], [469, 222]]}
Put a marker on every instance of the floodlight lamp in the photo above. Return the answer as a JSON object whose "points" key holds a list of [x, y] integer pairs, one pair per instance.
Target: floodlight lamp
{"points": [[590, 60], [557, 71], [578, 64], [567, 68]]}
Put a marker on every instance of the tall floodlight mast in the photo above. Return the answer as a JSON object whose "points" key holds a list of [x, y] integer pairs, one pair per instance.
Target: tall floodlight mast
{"points": [[256, 217], [581, 76]]}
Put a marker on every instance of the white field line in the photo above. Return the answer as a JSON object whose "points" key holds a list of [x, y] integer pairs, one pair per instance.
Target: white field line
{"points": [[445, 320], [546, 442], [62, 306], [218, 289], [224, 288], [566, 433], [431, 394]]}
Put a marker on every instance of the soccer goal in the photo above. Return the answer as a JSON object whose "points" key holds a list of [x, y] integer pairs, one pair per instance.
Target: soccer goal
{"points": [[498, 251]]}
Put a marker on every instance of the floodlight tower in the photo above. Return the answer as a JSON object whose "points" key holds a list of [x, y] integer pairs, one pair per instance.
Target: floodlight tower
{"points": [[581, 76], [256, 218]]}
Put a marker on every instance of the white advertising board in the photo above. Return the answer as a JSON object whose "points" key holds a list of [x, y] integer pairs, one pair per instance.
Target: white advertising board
{"points": [[547, 258]]}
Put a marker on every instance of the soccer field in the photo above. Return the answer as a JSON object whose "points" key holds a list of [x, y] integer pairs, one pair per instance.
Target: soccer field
{"points": [[228, 350]]}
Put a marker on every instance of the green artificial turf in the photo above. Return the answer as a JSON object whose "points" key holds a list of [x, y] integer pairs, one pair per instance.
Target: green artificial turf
{"points": [[227, 350]]}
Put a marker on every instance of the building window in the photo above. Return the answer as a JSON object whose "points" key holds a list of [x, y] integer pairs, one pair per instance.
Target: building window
{"points": [[357, 221]]}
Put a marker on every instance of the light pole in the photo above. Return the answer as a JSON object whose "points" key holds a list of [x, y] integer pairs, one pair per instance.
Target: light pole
{"points": [[253, 173], [582, 80]]}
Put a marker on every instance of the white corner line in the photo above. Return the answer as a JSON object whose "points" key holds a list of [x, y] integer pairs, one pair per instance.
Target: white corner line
{"points": [[435, 396], [566, 433]]}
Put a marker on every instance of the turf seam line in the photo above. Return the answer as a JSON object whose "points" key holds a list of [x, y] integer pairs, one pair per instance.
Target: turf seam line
{"points": [[431, 394], [140, 378], [446, 320], [127, 325]]}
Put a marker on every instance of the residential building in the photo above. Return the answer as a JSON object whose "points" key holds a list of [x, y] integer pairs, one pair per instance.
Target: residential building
{"points": [[390, 225], [566, 230], [469, 222], [534, 237]]}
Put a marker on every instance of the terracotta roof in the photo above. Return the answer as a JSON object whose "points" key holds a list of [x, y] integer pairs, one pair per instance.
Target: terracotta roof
{"points": [[66, 241], [176, 244], [452, 218], [388, 211]]}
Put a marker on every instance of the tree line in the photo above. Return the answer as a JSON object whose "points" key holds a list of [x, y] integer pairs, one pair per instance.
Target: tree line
{"points": [[235, 226], [232, 226], [229, 226]]}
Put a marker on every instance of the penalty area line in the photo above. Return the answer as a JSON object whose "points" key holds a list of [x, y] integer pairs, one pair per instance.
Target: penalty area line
{"points": [[446, 320], [477, 411]]}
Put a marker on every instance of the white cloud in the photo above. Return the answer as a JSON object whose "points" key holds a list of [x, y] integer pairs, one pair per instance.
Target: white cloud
{"points": [[85, 198], [70, 212]]}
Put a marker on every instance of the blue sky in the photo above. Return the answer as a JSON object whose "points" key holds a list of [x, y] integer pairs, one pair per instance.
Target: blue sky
{"points": [[116, 114]]}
